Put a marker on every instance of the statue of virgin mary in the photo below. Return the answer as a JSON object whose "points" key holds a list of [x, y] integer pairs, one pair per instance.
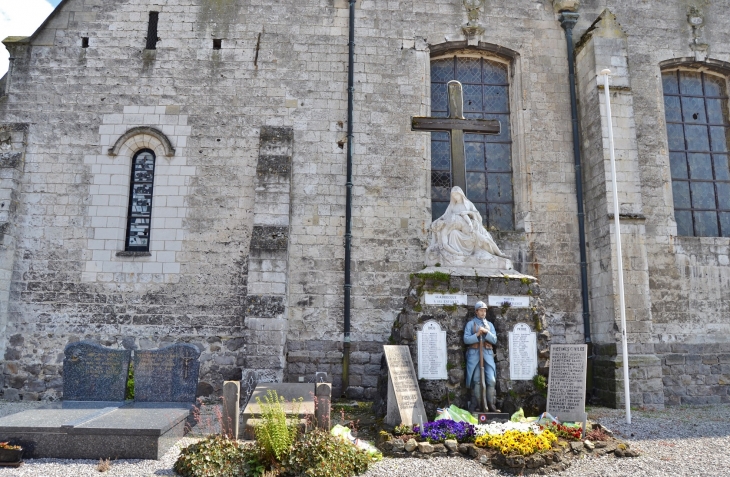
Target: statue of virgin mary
{"points": [[458, 238]]}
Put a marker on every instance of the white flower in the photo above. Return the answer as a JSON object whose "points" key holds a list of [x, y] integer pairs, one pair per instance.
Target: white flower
{"points": [[497, 428]]}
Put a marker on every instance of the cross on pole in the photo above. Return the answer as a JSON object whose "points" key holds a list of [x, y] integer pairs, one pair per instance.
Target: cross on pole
{"points": [[457, 125]]}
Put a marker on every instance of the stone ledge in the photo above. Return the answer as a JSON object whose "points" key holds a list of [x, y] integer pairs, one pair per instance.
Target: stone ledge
{"points": [[125, 253]]}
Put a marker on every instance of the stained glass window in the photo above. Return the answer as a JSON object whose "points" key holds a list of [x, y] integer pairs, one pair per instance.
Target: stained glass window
{"points": [[695, 106], [140, 201], [488, 157]]}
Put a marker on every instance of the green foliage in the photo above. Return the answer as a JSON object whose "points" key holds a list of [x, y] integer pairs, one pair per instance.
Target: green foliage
{"points": [[449, 366], [129, 393], [275, 435], [525, 281], [540, 384], [217, 456], [320, 454], [402, 429], [435, 276]]}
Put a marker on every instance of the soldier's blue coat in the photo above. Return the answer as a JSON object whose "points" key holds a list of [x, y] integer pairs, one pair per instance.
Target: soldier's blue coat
{"points": [[472, 354]]}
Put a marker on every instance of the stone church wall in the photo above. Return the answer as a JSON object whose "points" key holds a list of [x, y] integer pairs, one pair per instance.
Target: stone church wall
{"points": [[282, 65]]}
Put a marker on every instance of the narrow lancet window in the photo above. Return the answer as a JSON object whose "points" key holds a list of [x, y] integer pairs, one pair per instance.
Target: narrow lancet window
{"points": [[140, 202], [152, 31]]}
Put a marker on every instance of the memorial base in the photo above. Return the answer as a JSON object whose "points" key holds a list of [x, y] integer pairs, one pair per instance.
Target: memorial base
{"points": [[478, 285], [487, 417]]}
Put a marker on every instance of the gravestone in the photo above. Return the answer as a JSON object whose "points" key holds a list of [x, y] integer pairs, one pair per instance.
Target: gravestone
{"points": [[169, 374], [431, 351], [567, 382], [522, 353], [94, 373], [404, 405], [300, 402]]}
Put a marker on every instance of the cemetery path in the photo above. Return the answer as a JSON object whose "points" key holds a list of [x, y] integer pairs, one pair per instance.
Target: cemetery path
{"points": [[676, 441]]}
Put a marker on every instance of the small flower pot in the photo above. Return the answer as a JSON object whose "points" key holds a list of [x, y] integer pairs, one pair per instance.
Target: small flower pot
{"points": [[11, 455]]}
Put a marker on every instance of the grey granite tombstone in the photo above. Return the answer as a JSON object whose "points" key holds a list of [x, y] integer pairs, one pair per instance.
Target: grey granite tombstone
{"points": [[94, 373], [566, 398], [169, 374]]}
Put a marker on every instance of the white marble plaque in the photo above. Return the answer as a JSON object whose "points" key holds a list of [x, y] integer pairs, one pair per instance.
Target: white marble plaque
{"points": [[514, 301], [405, 405], [522, 353], [445, 298], [431, 351], [567, 382]]}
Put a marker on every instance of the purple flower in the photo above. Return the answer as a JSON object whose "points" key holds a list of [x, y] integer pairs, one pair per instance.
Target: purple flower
{"points": [[444, 429]]}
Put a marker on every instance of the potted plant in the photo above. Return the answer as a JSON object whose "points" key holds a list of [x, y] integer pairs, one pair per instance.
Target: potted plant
{"points": [[10, 453]]}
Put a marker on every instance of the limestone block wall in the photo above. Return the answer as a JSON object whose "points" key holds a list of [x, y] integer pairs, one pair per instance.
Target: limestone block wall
{"points": [[283, 65]]}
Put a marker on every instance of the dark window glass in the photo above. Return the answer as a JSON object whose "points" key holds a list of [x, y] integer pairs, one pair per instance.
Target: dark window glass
{"points": [[152, 31], [697, 133], [488, 157], [140, 201]]}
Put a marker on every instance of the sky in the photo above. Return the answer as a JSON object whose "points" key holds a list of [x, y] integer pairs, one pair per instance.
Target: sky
{"points": [[21, 18]]}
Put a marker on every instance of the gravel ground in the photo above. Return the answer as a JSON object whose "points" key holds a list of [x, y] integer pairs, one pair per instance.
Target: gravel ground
{"points": [[685, 441]]}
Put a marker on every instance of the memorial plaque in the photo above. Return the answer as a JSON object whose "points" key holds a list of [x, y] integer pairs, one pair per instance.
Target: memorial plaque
{"points": [[445, 298], [522, 353], [567, 382], [94, 373], [514, 301], [169, 374], [431, 351], [405, 405]]}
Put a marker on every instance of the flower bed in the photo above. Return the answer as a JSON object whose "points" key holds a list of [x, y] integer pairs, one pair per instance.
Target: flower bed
{"points": [[517, 447]]}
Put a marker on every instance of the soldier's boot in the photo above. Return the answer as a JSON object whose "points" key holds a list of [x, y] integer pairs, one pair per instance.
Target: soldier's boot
{"points": [[475, 398], [492, 399]]}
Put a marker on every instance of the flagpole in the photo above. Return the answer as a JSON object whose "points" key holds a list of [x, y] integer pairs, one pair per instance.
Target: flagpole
{"points": [[619, 258]]}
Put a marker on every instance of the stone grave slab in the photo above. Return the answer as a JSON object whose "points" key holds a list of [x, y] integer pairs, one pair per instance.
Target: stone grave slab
{"points": [[94, 373], [432, 351], [566, 398], [405, 405], [290, 392], [97, 430], [168, 374]]}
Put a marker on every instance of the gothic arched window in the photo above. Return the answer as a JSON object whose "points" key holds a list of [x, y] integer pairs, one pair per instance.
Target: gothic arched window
{"points": [[696, 109], [488, 157], [140, 202]]}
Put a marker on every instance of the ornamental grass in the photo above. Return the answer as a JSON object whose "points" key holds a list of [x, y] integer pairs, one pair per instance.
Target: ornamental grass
{"points": [[518, 442]]}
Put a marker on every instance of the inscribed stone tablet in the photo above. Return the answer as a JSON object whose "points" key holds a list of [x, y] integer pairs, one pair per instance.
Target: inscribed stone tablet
{"points": [[514, 301], [445, 298], [405, 405], [169, 374], [567, 382], [522, 353], [94, 373], [431, 351]]}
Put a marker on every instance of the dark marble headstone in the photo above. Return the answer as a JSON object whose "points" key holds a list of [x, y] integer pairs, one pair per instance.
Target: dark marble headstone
{"points": [[94, 373], [169, 374]]}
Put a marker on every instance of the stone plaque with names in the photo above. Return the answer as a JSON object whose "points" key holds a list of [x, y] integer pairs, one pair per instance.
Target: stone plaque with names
{"points": [[94, 373], [431, 351], [567, 382], [445, 298], [514, 301], [169, 374], [405, 405], [522, 353]]}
